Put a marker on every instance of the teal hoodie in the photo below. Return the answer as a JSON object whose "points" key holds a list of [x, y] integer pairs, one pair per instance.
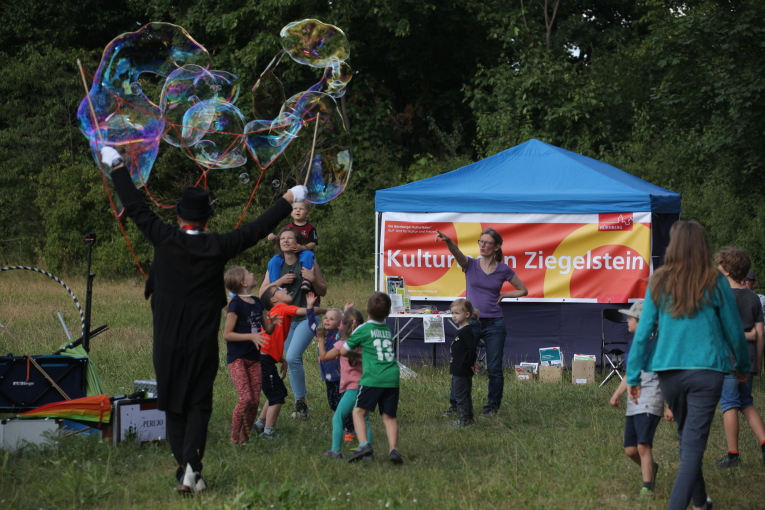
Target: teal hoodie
{"points": [[702, 342]]}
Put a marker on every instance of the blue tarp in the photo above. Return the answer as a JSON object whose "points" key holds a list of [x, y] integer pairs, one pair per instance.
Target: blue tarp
{"points": [[534, 177]]}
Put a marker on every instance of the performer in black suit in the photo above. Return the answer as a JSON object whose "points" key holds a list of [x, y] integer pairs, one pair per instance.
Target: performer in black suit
{"points": [[187, 295]]}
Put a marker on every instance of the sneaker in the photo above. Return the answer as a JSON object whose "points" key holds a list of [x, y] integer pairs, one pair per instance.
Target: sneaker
{"points": [[258, 429], [306, 286], [452, 411], [270, 435], [329, 454], [646, 493], [489, 413], [728, 462], [395, 457], [361, 452], [349, 437], [466, 422], [709, 504], [301, 410]]}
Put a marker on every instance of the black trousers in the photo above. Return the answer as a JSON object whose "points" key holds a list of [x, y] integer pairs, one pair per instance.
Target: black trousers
{"points": [[187, 434]]}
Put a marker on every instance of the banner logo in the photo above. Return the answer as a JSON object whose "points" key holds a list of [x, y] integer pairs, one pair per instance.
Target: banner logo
{"points": [[615, 221]]}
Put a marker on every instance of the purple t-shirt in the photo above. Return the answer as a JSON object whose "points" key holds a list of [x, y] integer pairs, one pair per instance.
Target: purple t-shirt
{"points": [[483, 289]]}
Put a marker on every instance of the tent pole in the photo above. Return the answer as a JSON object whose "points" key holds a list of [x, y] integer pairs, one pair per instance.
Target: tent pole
{"points": [[377, 251]]}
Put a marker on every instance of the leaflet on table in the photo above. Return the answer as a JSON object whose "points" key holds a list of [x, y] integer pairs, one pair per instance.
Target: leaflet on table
{"points": [[399, 295], [585, 357], [434, 329], [550, 357]]}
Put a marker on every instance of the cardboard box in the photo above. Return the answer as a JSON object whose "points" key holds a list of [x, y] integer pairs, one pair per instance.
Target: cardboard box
{"points": [[582, 371], [551, 374], [524, 373]]}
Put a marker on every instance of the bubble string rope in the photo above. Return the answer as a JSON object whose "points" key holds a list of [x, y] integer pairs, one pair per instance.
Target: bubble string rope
{"points": [[134, 125], [203, 171]]}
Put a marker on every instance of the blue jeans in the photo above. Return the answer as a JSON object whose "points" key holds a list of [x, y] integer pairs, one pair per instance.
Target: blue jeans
{"points": [[493, 334], [297, 342], [692, 395]]}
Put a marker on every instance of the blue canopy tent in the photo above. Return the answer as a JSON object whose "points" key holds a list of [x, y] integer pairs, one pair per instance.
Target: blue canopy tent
{"points": [[536, 177]]}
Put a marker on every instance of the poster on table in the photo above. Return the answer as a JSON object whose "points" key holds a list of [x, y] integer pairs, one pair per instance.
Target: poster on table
{"points": [[559, 257], [433, 326]]}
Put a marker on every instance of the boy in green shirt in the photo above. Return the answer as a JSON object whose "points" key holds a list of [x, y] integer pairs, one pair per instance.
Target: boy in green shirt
{"points": [[379, 381]]}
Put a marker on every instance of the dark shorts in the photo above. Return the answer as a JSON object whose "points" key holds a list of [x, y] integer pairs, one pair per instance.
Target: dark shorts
{"points": [[387, 398], [640, 429], [273, 386]]}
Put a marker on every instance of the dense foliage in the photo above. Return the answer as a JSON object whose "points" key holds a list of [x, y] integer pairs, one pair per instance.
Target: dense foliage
{"points": [[669, 91]]}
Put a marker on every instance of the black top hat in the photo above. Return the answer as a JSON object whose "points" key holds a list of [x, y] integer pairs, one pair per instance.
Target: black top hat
{"points": [[194, 204]]}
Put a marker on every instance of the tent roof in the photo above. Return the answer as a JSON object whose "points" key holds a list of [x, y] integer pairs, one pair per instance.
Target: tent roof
{"points": [[534, 177]]}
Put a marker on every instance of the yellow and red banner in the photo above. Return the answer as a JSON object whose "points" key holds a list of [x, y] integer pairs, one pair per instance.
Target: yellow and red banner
{"points": [[559, 257]]}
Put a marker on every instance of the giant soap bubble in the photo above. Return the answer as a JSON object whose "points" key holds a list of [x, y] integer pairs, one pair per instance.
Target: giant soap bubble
{"points": [[314, 43], [122, 116]]}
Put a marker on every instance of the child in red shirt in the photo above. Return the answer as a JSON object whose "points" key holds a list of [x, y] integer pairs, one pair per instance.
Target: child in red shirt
{"points": [[280, 312]]}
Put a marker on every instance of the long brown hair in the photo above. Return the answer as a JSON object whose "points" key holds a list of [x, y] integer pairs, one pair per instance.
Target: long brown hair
{"points": [[684, 284]]}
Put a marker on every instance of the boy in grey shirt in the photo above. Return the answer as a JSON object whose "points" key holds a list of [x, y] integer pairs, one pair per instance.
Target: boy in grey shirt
{"points": [[643, 417]]}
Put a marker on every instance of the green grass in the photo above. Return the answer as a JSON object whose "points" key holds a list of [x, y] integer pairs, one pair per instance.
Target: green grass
{"points": [[553, 445]]}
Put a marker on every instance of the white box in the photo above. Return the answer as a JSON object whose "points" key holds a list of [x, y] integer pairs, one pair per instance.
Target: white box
{"points": [[14, 433]]}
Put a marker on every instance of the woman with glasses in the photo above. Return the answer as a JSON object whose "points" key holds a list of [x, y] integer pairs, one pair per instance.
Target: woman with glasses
{"points": [[290, 274], [485, 277]]}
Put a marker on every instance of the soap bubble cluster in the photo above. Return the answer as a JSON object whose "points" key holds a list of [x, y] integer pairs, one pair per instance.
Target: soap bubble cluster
{"points": [[197, 113]]}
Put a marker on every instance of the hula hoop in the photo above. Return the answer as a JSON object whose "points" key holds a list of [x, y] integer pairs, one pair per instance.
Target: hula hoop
{"points": [[57, 279]]}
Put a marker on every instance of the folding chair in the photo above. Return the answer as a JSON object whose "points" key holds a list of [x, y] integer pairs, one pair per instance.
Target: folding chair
{"points": [[614, 355]]}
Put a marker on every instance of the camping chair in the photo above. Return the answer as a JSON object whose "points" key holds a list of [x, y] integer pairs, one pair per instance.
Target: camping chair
{"points": [[614, 355]]}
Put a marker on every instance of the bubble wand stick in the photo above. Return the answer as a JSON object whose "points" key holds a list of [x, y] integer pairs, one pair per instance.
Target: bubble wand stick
{"points": [[313, 146]]}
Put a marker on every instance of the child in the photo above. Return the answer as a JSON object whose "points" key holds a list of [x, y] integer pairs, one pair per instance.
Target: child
{"points": [[350, 374], [462, 358], [380, 380], [300, 211], [737, 395], [280, 313], [330, 368], [643, 417], [243, 340]]}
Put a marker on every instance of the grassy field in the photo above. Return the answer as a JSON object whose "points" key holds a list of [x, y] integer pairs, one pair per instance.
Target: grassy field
{"points": [[551, 446]]}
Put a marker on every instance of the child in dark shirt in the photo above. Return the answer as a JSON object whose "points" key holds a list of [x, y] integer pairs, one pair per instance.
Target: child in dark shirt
{"points": [[462, 359], [242, 335]]}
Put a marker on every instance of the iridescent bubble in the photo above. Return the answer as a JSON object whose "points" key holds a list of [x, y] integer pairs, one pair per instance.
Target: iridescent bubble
{"points": [[335, 78], [186, 87], [314, 43], [122, 116], [322, 148], [212, 132], [266, 140], [276, 183], [244, 178]]}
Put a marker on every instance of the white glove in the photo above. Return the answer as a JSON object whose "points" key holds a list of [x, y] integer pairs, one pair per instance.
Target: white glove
{"points": [[110, 156], [299, 193]]}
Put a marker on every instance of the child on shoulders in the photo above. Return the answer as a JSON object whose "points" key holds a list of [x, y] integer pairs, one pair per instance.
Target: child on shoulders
{"points": [[643, 417], [308, 240]]}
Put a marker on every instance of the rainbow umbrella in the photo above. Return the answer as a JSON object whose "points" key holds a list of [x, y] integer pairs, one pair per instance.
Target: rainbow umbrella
{"points": [[97, 408]]}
